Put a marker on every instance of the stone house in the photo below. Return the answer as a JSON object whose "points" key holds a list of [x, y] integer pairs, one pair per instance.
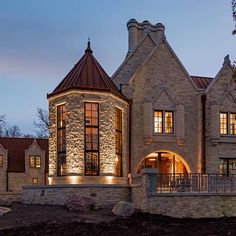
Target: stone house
{"points": [[115, 138], [157, 116], [22, 161]]}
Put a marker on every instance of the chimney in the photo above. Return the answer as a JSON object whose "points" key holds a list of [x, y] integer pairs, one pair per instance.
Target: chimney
{"points": [[137, 31]]}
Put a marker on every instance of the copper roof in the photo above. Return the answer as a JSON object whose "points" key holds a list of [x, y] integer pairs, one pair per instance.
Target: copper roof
{"points": [[87, 74], [202, 82], [16, 152]]}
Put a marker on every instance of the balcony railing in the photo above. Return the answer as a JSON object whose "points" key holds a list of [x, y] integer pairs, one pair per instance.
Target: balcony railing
{"points": [[191, 182]]}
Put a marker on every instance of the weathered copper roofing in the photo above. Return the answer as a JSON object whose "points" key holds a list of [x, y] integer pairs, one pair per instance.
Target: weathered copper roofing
{"points": [[202, 82], [87, 74], [16, 152]]}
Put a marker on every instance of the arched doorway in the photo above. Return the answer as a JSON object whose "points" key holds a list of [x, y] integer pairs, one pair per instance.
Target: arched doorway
{"points": [[165, 161]]}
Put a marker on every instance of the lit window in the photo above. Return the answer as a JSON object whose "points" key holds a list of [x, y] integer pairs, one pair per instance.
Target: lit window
{"points": [[163, 122], [35, 161], [227, 123], [227, 166], [1, 160], [35, 181], [91, 138], [61, 139], [118, 137]]}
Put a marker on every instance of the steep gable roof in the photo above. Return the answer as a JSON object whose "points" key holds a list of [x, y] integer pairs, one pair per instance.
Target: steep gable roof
{"points": [[87, 74], [202, 82], [16, 151]]}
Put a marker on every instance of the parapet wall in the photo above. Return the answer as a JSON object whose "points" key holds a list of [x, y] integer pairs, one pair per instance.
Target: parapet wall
{"points": [[103, 195]]}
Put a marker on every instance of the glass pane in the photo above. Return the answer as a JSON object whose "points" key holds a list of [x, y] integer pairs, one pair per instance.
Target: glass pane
{"points": [[232, 123], [38, 162], [32, 161], [91, 163], [158, 122], [62, 163], [223, 123], [1, 161], [168, 122]]}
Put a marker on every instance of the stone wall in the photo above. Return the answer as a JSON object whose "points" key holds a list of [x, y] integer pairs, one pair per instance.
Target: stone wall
{"points": [[182, 204], [103, 195], [3, 169], [8, 198], [74, 101]]}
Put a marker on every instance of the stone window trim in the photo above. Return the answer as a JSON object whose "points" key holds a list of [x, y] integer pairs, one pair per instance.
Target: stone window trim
{"points": [[163, 128], [91, 149], [227, 124], [35, 161], [1, 160], [35, 180]]}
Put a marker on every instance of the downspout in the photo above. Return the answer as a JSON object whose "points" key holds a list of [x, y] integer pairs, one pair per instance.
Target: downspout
{"points": [[203, 159]]}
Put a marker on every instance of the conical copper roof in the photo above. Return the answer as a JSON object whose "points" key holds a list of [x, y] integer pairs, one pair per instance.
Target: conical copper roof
{"points": [[87, 74]]}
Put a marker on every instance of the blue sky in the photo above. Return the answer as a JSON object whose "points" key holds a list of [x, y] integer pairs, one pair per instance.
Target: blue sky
{"points": [[40, 40]]}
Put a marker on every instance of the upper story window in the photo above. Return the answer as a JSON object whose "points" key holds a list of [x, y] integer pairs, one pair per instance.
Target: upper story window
{"points": [[118, 136], [227, 123], [1, 160], [91, 138], [61, 139], [227, 166], [164, 122], [35, 161]]}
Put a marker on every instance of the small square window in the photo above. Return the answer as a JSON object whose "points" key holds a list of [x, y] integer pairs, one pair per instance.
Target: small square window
{"points": [[1, 160], [35, 181]]}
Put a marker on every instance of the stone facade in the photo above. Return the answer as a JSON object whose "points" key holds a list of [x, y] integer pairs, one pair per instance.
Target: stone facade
{"points": [[3, 170], [154, 78], [75, 101]]}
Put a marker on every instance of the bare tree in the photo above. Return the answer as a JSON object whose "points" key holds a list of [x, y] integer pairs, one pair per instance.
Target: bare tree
{"points": [[42, 123], [3, 125], [234, 14], [13, 131]]}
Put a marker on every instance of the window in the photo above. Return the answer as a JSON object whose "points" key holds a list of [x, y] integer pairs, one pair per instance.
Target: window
{"points": [[227, 166], [61, 139], [35, 161], [1, 160], [35, 181], [118, 136], [163, 122], [227, 123], [91, 139]]}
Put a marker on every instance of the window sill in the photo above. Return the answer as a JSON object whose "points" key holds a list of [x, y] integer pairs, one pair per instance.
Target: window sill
{"points": [[228, 139], [164, 138]]}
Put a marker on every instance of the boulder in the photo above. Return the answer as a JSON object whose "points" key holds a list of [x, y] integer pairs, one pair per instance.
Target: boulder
{"points": [[4, 210], [80, 204], [124, 209]]}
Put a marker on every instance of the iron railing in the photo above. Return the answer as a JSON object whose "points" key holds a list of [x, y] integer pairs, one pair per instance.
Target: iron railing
{"points": [[191, 182]]}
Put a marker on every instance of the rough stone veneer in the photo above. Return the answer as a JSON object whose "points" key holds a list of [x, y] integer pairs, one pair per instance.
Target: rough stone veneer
{"points": [[103, 195], [74, 101]]}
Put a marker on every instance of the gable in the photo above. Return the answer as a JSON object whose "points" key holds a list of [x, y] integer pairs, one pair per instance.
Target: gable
{"points": [[133, 61], [228, 102], [163, 101]]}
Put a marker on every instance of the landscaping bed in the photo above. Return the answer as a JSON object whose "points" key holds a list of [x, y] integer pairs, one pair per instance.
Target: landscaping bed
{"points": [[57, 220]]}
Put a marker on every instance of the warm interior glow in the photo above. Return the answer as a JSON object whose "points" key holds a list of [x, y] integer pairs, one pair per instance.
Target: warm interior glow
{"points": [[109, 179]]}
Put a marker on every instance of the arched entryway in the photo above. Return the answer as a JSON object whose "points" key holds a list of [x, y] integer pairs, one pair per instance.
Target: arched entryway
{"points": [[165, 161]]}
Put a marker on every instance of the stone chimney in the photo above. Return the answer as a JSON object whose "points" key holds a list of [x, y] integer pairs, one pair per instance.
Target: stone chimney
{"points": [[137, 31]]}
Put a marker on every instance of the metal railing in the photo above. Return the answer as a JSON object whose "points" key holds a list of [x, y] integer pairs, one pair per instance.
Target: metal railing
{"points": [[191, 182]]}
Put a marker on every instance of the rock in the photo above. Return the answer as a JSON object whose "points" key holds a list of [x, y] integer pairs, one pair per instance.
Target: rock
{"points": [[124, 209], [4, 210], [80, 204]]}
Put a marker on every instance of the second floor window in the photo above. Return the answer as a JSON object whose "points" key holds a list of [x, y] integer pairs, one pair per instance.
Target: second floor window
{"points": [[1, 160], [35, 161], [163, 122], [227, 123]]}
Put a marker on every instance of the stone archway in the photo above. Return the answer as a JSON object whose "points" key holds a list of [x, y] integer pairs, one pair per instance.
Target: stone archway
{"points": [[165, 161]]}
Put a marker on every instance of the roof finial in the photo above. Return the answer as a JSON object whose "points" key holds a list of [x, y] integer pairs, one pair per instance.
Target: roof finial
{"points": [[88, 49]]}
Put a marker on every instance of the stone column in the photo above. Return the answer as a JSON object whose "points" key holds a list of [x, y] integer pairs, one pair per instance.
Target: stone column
{"points": [[180, 124], [147, 121], [214, 123]]}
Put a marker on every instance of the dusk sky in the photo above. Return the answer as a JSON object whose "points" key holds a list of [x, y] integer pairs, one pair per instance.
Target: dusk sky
{"points": [[40, 41]]}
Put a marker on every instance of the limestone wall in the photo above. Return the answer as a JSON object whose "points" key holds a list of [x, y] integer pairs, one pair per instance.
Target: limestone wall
{"points": [[3, 170], [8, 198], [103, 195], [74, 101]]}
